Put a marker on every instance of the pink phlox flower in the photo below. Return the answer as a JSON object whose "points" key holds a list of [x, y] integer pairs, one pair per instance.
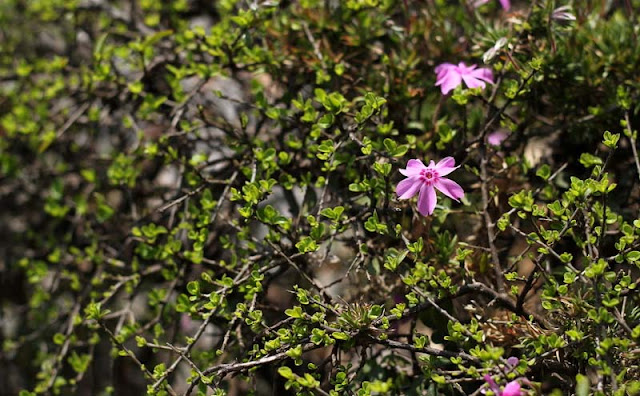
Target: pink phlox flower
{"points": [[449, 76], [506, 4], [496, 138], [511, 389], [512, 362], [425, 180]]}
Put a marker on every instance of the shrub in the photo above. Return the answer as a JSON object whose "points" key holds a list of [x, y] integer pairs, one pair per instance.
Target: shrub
{"points": [[200, 197]]}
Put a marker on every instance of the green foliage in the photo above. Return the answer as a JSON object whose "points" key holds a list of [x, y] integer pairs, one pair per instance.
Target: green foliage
{"points": [[201, 195]]}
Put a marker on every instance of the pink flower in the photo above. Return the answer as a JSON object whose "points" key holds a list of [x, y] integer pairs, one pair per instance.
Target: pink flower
{"points": [[496, 138], [506, 4], [512, 388], [426, 179], [450, 76]]}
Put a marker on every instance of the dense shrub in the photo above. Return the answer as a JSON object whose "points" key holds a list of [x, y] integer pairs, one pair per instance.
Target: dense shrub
{"points": [[199, 197]]}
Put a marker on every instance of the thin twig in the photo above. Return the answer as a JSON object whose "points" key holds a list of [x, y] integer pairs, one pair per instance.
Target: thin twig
{"points": [[633, 142], [73, 118]]}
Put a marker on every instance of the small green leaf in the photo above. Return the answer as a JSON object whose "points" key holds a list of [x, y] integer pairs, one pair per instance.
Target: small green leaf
{"points": [[339, 335], [582, 385], [438, 379], [544, 172], [193, 287], [295, 312], [286, 372]]}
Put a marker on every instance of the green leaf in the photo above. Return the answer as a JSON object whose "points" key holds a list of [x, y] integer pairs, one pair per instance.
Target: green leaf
{"points": [[307, 244], [295, 312], [611, 139], [326, 120], [382, 168], [438, 379], [633, 256], [544, 172], [286, 372], [193, 287], [589, 160], [59, 338], [373, 224], [583, 385], [339, 335]]}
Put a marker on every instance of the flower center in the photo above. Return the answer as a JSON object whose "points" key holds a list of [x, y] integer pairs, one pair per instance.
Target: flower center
{"points": [[429, 175]]}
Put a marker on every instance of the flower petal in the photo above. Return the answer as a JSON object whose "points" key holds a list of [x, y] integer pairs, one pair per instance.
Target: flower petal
{"points": [[512, 389], [473, 82], [408, 187], [449, 188], [484, 74], [513, 361], [427, 200], [506, 4], [496, 138], [464, 69], [449, 82], [446, 166], [415, 163], [446, 162], [414, 166], [492, 384], [444, 68], [409, 172]]}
